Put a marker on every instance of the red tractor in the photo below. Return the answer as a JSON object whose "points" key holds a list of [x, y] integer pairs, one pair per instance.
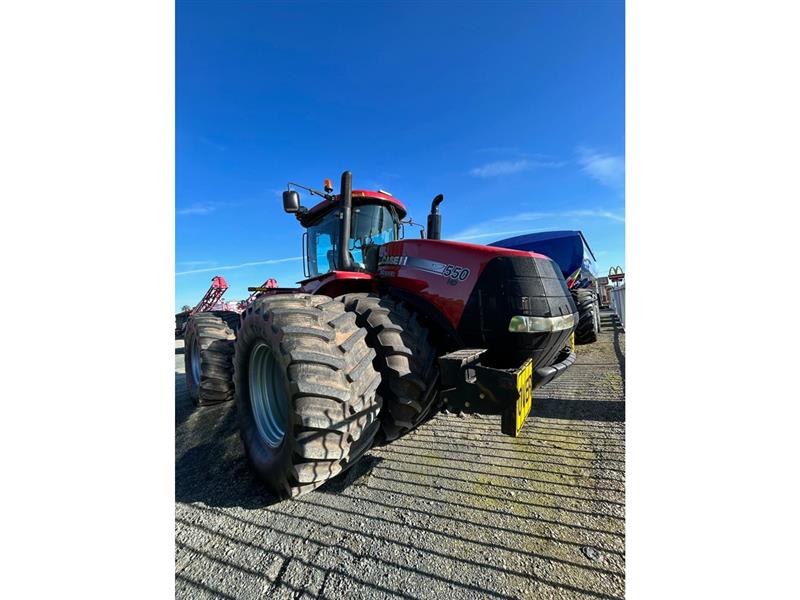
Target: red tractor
{"points": [[382, 332]]}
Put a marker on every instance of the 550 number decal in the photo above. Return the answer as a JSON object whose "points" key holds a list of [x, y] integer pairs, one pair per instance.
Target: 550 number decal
{"points": [[455, 272]]}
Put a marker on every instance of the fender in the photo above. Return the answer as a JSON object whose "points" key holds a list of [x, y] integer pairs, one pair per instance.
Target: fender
{"points": [[336, 283], [449, 336]]}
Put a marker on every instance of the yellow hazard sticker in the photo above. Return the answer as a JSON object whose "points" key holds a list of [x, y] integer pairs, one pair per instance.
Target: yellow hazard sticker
{"points": [[524, 395]]}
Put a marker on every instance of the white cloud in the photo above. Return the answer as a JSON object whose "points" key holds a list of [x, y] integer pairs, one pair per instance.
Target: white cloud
{"points": [[605, 214], [210, 142], [510, 225], [508, 167], [197, 263], [470, 235], [204, 208], [198, 209], [273, 261], [608, 169]]}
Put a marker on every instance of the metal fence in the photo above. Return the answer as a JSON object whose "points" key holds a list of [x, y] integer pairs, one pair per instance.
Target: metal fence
{"points": [[618, 302]]}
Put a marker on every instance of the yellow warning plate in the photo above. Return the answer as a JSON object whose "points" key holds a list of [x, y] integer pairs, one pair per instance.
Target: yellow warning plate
{"points": [[525, 394]]}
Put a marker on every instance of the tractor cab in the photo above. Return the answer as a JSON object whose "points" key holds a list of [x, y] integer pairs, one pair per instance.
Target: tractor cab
{"points": [[374, 219], [372, 224]]}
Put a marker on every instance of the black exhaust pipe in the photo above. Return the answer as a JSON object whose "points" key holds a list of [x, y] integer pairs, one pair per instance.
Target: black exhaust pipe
{"points": [[435, 219], [346, 197]]}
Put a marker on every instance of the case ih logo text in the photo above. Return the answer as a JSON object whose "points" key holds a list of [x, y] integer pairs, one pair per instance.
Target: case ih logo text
{"points": [[453, 273], [393, 260]]}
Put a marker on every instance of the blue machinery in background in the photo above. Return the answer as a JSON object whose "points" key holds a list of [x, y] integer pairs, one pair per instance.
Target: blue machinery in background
{"points": [[566, 248]]}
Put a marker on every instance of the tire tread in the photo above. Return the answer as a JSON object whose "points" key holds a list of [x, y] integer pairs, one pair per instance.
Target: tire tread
{"points": [[331, 381], [404, 357]]}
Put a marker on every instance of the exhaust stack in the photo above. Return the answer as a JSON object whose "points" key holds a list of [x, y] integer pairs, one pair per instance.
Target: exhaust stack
{"points": [[435, 219], [346, 197]]}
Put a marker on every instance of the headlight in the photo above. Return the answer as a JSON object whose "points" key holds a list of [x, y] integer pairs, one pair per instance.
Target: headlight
{"points": [[525, 324]]}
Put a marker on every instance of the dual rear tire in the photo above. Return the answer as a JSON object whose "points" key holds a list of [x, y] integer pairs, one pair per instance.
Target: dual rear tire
{"points": [[316, 380], [405, 359]]}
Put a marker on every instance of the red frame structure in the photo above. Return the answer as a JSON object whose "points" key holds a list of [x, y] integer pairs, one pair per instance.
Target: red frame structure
{"points": [[269, 283], [214, 294]]}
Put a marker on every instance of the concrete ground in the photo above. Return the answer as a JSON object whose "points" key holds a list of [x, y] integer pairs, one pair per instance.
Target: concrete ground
{"points": [[453, 510]]}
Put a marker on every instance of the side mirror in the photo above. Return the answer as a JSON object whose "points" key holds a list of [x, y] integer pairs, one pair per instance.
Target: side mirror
{"points": [[291, 201]]}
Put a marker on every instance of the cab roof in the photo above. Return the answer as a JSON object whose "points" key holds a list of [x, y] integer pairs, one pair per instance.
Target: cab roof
{"points": [[359, 197]]}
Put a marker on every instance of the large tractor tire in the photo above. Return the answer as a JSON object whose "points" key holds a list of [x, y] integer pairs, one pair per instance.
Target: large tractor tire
{"points": [[230, 317], [588, 316], [405, 358], [305, 390], [208, 352]]}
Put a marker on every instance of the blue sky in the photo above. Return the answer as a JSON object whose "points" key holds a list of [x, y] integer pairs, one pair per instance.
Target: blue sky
{"points": [[514, 111]]}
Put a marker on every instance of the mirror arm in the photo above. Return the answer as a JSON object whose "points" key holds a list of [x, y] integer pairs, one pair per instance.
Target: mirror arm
{"points": [[421, 228], [310, 190]]}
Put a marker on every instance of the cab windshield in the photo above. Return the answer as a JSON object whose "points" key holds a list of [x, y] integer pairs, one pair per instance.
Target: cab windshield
{"points": [[370, 226]]}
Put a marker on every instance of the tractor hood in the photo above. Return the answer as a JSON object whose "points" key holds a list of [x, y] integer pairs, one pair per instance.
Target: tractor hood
{"points": [[479, 290]]}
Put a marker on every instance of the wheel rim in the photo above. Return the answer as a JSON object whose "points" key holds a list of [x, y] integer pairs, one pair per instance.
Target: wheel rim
{"points": [[195, 351], [267, 395]]}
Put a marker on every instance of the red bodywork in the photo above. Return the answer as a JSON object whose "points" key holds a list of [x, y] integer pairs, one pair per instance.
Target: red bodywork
{"points": [[335, 283], [421, 280], [449, 299], [415, 265], [359, 197]]}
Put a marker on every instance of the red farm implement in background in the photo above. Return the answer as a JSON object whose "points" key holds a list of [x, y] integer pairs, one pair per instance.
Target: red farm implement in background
{"points": [[213, 303], [210, 300], [212, 297], [269, 284]]}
